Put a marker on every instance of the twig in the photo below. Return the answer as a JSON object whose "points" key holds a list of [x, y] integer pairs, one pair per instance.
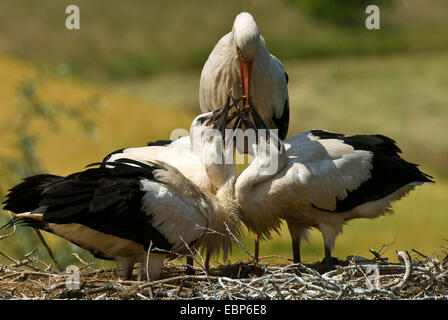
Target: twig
{"points": [[387, 245], [142, 296], [13, 228], [86, 264], [378, 256], [407, 272], [420, 254], [25, 262], [50, 253], [274, 256], [409, 279]]}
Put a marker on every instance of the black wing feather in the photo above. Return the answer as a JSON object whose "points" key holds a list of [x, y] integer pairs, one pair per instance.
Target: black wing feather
{"points": [[160, 143], [389, 171], [107, 199], [106, 158], [282, 123], [26, 196]]}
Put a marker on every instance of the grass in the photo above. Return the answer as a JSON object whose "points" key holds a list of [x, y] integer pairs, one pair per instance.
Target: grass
{"points": [[136, 39]]}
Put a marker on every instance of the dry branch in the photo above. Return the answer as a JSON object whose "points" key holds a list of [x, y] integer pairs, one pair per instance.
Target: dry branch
{"points": [[410, 279]]}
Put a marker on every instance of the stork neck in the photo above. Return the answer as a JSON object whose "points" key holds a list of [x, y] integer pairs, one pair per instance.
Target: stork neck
{"points": [[219, 175], [268, 162], [217, 161], [225, 220]]}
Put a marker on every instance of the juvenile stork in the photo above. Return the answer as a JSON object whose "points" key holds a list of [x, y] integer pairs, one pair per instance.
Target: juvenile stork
{"points": [[186, 156], [241, 62], [322, 180], [124, 207]]}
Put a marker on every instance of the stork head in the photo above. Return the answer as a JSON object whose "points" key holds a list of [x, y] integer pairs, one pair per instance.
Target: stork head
{"points": [[247, 41], [207, 134], [207, 142], [246, 36], [202, 131]]}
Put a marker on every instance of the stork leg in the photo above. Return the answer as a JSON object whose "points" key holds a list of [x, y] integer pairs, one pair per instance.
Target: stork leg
{"points": [[125, 267], [155, 265], [298, 233], [328, 258], [207, 262], [296, 250], [190, 269], [142, 268], [257, 255], [329, 235]]}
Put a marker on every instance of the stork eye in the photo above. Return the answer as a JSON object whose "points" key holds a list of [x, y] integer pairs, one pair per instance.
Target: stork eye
{"points": [[238, 50], [201, 119]]}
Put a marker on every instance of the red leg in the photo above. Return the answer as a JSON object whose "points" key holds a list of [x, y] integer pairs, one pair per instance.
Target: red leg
{"points": [[257, 251], [207, 262], [190, 269]]}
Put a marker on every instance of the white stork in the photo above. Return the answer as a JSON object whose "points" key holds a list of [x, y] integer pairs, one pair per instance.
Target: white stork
{"points": [[194, 165], [124, 207], [323, 180], [241, 62]]}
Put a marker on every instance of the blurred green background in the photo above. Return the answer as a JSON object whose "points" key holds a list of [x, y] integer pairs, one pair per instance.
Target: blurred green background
{"points": [[131, 74]]}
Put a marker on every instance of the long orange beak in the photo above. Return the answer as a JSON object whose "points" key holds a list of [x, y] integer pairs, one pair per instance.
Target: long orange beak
{"points": [[246, 71]]}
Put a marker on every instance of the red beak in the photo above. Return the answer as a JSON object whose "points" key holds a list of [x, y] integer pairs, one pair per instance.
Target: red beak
{"points": [[246, 70]]}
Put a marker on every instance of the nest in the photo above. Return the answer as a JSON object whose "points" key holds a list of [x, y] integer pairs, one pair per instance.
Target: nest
{"points": [[418, 277]]}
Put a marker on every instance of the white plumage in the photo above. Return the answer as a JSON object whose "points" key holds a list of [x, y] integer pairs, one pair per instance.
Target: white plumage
{"points": [[240, 61], [322, 181], [199, 161]]}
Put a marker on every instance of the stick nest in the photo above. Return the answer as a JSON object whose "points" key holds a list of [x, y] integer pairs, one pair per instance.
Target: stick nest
{"points": [[416, 277]]}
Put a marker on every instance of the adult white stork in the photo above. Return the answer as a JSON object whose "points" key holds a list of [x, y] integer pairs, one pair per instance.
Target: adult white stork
{"points": [[323, 180], [241, 62], [125, 207]]}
